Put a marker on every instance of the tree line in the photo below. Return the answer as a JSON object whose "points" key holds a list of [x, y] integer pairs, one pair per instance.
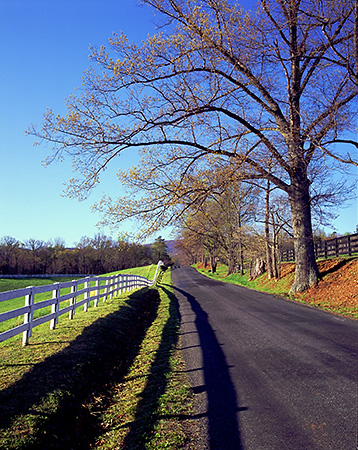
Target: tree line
{"points": [[245, 224], [97, 255]]}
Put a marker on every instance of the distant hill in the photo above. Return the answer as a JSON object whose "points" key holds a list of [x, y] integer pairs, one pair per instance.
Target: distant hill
{"points": [[172, 251], [171, 247]]}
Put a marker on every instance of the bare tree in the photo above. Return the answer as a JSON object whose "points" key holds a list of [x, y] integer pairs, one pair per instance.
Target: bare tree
{"points": [[220, 218], [188, 248], [216, 82], [9, 254]]}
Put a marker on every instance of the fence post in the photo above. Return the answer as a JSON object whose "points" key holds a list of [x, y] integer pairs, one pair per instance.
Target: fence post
{"points": [[73, 299], [55, 306], [120, 284], [116, 287], [106, 291], [28, 317], [97, 291], [86, 294], [349, 245], [111, 288]]}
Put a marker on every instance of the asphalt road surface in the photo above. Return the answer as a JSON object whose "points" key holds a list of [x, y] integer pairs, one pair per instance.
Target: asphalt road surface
{"points": [[267, 373]]}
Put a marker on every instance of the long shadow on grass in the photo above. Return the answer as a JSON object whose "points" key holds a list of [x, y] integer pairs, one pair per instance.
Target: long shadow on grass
{"points": [[84, 370], [146, 415]]}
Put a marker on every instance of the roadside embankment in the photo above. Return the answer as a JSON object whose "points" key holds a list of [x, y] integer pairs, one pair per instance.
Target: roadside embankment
{"points": [[337, 290]]}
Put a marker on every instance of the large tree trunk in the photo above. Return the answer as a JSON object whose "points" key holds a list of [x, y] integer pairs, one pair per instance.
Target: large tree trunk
{"points": [[275, 253], [230, 256], [230, 267], [204, 260], [267, 231], [213, 263], [257, 269], [241, 258], [306, 272], [241, 246]]}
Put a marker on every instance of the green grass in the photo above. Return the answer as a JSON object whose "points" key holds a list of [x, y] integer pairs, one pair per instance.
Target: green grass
{"points": [[145, 271], [280, 287], [111, 378], [10, 284], [13, 284]]}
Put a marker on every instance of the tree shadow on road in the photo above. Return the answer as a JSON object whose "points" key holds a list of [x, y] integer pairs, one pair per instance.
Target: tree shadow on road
{"points": [[223, 427]]}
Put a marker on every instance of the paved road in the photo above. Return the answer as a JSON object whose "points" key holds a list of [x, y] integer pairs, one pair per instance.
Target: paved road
{"points": [[268, 374]]}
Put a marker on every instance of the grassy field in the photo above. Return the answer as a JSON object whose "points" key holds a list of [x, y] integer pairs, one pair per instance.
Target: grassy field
{"points": [[112, 378], [13, 284], [10, 284], [146, 271]]}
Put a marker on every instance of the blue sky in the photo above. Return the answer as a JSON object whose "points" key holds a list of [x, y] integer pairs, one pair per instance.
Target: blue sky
{"points": [[44, 52]]}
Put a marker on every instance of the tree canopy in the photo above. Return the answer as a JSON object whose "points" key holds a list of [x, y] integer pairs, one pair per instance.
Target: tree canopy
{"points": [[273, 90]]}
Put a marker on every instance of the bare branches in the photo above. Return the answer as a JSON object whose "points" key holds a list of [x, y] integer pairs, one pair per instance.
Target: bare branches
{"points": [[347, 159], [217, 84]]}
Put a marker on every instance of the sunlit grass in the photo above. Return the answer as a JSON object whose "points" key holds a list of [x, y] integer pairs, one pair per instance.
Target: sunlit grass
{"points": [[279, 287], [109, 377], [150, 400], [9, 284]]}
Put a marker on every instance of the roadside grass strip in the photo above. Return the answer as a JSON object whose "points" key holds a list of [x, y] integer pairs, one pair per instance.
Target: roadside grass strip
{"points": [[280, 287], [112, 378], [151, 407], [336, 292]]}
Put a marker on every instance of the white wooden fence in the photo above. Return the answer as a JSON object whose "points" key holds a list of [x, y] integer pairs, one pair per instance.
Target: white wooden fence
{"points": [[82, 292]]}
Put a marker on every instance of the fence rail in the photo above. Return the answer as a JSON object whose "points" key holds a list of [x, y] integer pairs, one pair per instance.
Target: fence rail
{"points": [[47, 275], [344, 245], [76, 293]]}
